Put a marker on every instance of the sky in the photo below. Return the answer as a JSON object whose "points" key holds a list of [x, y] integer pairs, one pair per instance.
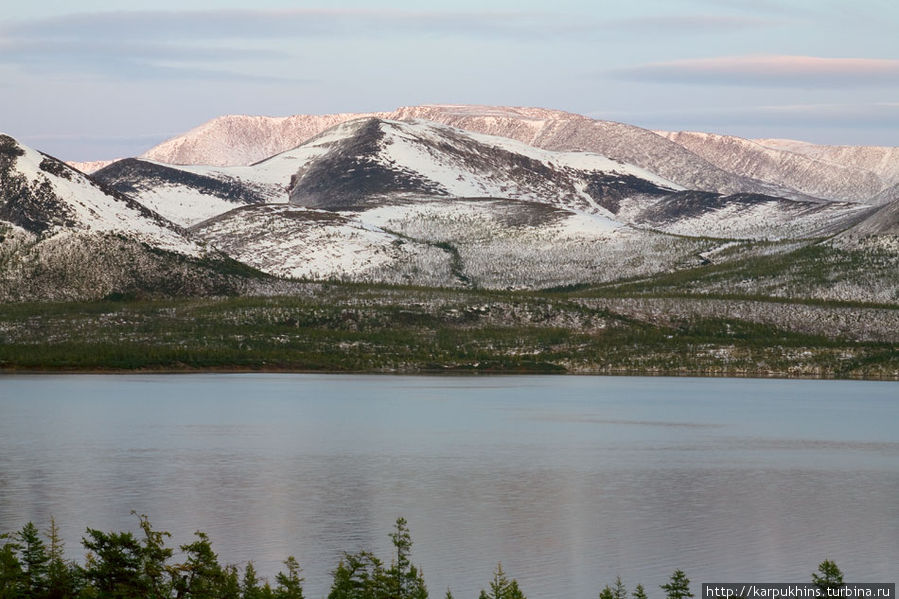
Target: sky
{"points": [[102, 79]]}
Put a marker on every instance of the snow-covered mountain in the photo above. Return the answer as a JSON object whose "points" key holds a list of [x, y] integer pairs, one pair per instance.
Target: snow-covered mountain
{"points": [[367, 160], [818, 174], [65, 236], [416, 201], [242, 140]]}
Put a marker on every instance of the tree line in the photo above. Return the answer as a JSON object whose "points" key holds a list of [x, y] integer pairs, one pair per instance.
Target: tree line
{"points": [[120, 565]]}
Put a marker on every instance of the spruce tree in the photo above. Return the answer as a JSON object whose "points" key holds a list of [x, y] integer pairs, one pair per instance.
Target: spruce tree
{"points": [[200, 576], [359, 576], [501, 587], [619, 591], [290, 585], [831, 578], [61, 579], [112, 566], [249, 587], [230, 583], [678, 587], [34, 560], [639, 592], [406, 581], [11, 576]]}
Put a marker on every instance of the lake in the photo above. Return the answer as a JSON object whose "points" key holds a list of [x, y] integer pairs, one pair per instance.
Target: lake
{"points": [[568, 481]]}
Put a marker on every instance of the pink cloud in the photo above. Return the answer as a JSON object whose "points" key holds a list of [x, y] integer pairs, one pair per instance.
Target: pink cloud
{"points": [[792, 71]]}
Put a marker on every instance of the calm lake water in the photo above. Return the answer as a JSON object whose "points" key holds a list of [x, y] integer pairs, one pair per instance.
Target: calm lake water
{"points": [[569, 481]]}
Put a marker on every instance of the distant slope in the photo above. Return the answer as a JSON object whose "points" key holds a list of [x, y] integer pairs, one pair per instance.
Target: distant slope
{"points": [[242, 140], [882, 223], [880, 160], [234, 140], [90, 166], [819, 176]]}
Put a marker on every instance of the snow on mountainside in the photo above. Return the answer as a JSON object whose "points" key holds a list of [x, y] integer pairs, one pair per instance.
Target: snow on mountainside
{"points": [[242, 140], [63, 236], [45, 197], [380, 157], [461, 242], [814, 175], [883, 161], [357, 160], [90, 166]]}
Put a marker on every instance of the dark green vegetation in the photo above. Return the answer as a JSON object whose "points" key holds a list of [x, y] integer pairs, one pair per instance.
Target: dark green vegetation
{"points": [[368, 328], [122, 565]]}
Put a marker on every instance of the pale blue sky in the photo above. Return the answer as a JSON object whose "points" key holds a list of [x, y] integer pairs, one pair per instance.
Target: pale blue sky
{"points": [[100, 79]]}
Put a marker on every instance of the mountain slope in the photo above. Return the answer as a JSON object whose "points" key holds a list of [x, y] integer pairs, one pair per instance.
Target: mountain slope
{"points": [[379, 158], [241, 140], [883, 161], [63, 236], [815, 176]]}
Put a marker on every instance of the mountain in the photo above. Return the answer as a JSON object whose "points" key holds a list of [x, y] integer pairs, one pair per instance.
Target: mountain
{"points": [[242, 140], [360, 161], [820, 175], [415, 201], [65, 236]]}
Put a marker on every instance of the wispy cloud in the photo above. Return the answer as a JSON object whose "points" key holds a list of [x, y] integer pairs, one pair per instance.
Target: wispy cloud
{"points": [[208, 44], [693, 24], [297, 23], [775, 71], [877, 115], [269, 24]]}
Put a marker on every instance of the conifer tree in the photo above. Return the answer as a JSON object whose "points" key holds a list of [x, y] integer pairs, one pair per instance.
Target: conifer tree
{"points": [[230, 583], [11, 575], [678, 586], [639, 592], [359, 576], [501, 587], [830, 578], [406, 581], [619, 591], [290, 585], [200, 576], [156, 573], [249, 587], [61, 579], [34, 560], [112, 567]]}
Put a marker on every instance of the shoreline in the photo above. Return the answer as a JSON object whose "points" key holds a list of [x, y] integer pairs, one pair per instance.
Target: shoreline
{"points": [[457, 372]]}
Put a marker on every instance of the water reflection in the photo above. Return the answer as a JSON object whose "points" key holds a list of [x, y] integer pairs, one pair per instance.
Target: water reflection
{"points": [[568, 481]]}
